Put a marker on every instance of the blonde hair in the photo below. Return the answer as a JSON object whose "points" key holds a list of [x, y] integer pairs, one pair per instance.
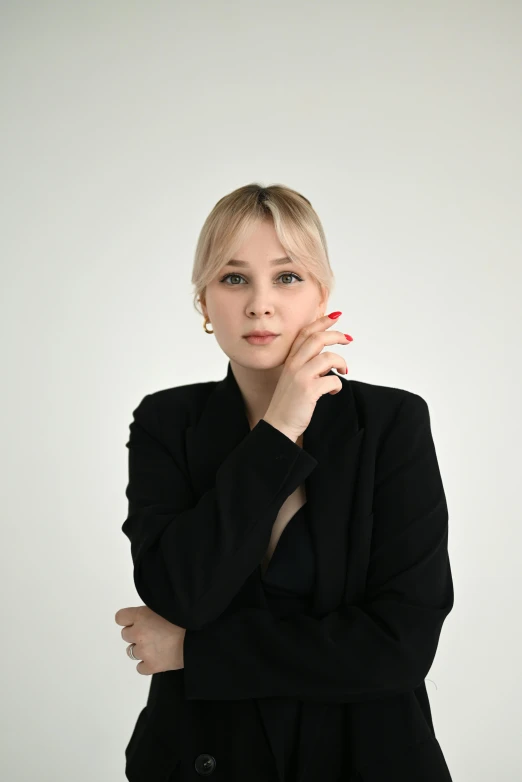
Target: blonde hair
{"points": [[233, 217]]}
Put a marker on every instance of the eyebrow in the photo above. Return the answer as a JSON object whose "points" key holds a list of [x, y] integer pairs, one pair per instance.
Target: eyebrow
{"points": [[274, 262]]}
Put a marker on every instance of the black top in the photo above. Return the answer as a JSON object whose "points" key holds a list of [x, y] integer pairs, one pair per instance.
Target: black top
{"points": [[288, 585], [291, 569]]}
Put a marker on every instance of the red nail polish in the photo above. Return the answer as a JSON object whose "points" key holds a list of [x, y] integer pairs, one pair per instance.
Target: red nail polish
{"points": [[348, 337], [334, 315]]}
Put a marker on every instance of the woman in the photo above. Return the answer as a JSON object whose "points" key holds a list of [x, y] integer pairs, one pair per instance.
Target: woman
{"points": [[288, 532]]}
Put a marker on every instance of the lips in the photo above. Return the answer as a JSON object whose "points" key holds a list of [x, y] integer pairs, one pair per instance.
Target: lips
{"points": [[253, 340]]}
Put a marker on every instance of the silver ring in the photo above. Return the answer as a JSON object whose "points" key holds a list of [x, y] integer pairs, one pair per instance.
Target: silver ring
{"points": [[130, 652]]}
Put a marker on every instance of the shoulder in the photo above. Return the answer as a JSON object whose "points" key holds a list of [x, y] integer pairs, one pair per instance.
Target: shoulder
{"points": [[381, 407], [377, 405], [185, 394], [372, 395], [181, 401]]}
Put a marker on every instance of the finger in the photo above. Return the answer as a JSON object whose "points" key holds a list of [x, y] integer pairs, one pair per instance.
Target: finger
{"points": [[125, 616], [313, 344], [128, 634], [324, 362], [321, 324]]}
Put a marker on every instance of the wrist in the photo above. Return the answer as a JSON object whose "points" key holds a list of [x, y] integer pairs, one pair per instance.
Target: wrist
{"points": [[283, 429]]}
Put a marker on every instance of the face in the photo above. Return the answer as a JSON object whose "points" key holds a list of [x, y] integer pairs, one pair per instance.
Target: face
{"points": [[260, 294]]}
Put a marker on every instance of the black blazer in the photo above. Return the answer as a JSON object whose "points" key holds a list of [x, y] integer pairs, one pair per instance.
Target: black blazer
{"points": [[204, 491]]}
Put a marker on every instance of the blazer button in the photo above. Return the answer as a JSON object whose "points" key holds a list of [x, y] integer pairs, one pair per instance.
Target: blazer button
{"points": [[205, 764]]}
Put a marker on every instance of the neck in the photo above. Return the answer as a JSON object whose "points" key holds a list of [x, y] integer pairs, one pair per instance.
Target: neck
{"points": [[257, 388]]}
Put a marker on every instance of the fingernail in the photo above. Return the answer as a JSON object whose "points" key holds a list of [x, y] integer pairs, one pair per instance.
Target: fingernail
{"points": [[348, 337], [334, 315]]}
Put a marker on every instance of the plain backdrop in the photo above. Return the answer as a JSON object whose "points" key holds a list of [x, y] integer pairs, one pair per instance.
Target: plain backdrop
{"points": [[122, 124]]}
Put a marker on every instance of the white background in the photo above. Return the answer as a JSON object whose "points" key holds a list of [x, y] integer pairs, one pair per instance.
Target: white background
{"points": [[122, 125]]}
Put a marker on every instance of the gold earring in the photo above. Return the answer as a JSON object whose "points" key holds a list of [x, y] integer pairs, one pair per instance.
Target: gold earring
{"points": [[205, 326]]}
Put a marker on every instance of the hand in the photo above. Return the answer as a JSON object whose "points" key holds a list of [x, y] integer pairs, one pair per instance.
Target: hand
{"points": [[159, 643], [300, 384]]}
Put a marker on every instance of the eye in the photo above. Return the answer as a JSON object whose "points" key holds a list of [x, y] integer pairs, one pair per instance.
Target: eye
{"points": [[283, 274]]}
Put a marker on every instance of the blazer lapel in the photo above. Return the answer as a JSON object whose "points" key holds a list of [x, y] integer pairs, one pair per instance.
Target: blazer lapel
{"points": [[334, 438]]}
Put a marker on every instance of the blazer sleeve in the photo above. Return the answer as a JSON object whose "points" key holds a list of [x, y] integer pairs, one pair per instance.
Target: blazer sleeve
{"points": [[192, 557], [383, 646]]}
